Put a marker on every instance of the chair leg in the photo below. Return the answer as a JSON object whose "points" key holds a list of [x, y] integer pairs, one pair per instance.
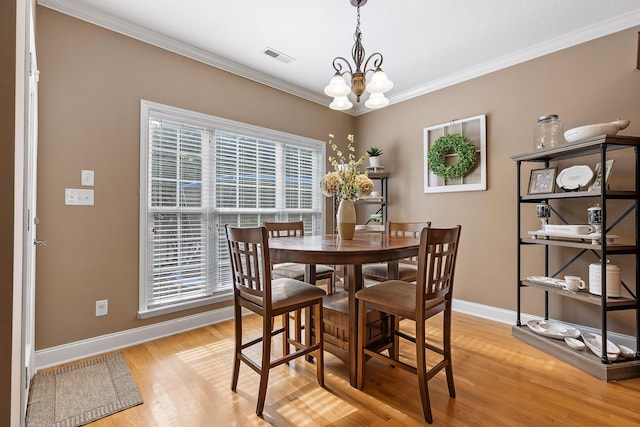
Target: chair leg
{"points": [[297, 321], [446, 345], [362, 342], [394, 351], [238, 347], [285, 335], [266, 364], [319, 328], [421, 365]]}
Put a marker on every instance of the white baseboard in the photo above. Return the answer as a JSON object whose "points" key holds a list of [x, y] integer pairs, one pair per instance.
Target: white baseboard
{"points": [[106, 343], [65, 353]]}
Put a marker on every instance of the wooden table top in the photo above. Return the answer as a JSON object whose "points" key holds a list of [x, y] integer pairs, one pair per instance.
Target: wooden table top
{"points": [[330, 249]]}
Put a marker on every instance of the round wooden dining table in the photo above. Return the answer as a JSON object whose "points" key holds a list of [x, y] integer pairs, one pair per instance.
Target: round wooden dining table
{"points": [[329, 249]]}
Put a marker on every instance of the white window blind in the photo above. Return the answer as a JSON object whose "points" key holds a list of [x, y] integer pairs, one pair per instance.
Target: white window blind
{"points": [[199, 173]]}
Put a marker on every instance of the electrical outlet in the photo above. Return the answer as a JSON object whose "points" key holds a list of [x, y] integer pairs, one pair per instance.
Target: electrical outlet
{"points": [[102, 307], [78, 196]]}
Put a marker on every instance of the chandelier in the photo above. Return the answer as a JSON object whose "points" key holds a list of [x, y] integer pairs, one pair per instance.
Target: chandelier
{"points": [[377, 86]]}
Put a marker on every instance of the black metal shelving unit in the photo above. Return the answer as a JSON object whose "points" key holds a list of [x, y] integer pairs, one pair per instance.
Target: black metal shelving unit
{"points": [[602, 368]]}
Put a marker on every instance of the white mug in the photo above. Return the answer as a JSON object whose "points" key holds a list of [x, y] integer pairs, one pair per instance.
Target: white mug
{"points": [[574, 283]]}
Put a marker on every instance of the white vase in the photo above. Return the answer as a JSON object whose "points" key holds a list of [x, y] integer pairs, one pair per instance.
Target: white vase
{"points": [[346, 219], [374, 161]]}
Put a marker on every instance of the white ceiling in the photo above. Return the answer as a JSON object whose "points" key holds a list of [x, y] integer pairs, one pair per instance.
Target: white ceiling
{"points": [[426, 44]]}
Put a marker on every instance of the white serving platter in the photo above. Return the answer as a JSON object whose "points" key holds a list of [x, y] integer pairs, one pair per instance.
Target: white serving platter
{"points": [[578, 229], [555, 330], [574, 177], [594, 237], [594, 343]]}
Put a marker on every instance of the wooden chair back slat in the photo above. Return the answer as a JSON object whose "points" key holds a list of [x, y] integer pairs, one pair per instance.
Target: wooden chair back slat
{"points": [[408, 230], [249, 251], [437, 259]]}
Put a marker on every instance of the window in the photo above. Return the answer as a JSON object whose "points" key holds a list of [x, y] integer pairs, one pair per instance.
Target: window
{"points": [[201, 172]]}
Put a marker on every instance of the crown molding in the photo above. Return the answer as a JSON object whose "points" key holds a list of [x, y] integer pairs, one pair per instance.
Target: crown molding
{"points": [[120, 26], [583, 35]]}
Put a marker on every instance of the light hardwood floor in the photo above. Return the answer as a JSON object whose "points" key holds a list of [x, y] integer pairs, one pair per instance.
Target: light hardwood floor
{"points": [[500, 381]]}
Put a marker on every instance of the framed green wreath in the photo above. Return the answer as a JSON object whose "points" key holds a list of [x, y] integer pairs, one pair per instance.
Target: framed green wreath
{"points": [[465, 150]]}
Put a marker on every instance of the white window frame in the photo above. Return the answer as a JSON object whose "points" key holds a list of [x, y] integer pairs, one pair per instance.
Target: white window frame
{"points": [[149, 109]]}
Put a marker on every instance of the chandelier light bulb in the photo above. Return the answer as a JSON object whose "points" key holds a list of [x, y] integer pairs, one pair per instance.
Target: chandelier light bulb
{"points": [[337, 87], [379, 83], [376, 100], [341, 103]]}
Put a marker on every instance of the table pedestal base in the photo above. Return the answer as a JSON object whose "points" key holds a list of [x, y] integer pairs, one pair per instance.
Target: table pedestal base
{"points": [[336, 326]]}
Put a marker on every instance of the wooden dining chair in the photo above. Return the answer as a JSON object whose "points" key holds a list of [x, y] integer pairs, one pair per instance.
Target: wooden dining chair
{"points": [[418, 302], [407, 267], [290, 269], [295, 271], [254, 290]]}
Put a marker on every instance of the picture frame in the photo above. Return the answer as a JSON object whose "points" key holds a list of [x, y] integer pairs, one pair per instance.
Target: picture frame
{"points": [[475, 130], [543, 181], [595, 185]]}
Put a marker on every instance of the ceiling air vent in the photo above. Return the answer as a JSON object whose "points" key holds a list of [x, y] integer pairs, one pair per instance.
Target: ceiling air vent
{"points": [[277, 55]]}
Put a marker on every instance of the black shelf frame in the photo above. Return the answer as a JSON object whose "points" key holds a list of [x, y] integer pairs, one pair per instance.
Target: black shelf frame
{"points": [[601, 146]]}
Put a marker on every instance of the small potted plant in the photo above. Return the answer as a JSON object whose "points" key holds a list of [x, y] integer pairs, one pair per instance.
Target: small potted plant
{"points": [[374, 152]]}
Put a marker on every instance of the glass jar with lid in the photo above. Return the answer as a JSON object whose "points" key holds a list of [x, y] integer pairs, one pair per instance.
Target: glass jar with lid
{"points": [[548, 132]]}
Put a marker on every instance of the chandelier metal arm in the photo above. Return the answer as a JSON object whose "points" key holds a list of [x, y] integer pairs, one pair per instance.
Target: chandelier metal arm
{"points": [[338, 67], [377, 62]]}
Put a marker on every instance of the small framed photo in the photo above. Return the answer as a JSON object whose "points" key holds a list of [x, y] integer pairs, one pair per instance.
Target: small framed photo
{"points": [[598, 181], [542, 181]]}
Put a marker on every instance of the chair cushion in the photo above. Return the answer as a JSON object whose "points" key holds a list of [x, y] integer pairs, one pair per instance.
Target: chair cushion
{"points": [[395, 297], [286, 292], [292, 270], [406, 272]]}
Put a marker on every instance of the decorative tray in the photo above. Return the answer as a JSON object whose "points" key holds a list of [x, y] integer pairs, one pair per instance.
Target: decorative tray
{"points": [[594, 343], [547, 281], [574, 177], [594, 237], [555, 330]]}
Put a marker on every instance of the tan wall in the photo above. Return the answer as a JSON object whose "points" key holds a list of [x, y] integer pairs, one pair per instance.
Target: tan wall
{"points": [[7, 170], [92, 81], [91, 84], [590, 83]]}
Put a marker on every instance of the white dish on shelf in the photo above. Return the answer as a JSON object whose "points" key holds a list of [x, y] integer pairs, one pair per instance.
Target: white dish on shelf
{"points": [[626, 352], [594, 237], [548, 281], [574, 177], [555, 330], [574, 343], [585, 132], [594, 343], [569, 229]]}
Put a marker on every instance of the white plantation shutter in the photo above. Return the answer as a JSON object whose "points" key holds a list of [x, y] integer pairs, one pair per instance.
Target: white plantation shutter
{"points": [[199, 173]]}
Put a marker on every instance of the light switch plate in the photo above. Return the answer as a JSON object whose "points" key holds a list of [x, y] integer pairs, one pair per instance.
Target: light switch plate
{"points": [[78, 196], [102, 307], [87, 178]]}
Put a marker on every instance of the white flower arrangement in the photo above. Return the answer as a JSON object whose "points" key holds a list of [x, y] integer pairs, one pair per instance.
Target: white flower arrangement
{"points": [[346, 180]]}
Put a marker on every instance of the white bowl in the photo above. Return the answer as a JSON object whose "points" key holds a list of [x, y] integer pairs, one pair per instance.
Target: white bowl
{"points": [[574, 343], [585, 132]]}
